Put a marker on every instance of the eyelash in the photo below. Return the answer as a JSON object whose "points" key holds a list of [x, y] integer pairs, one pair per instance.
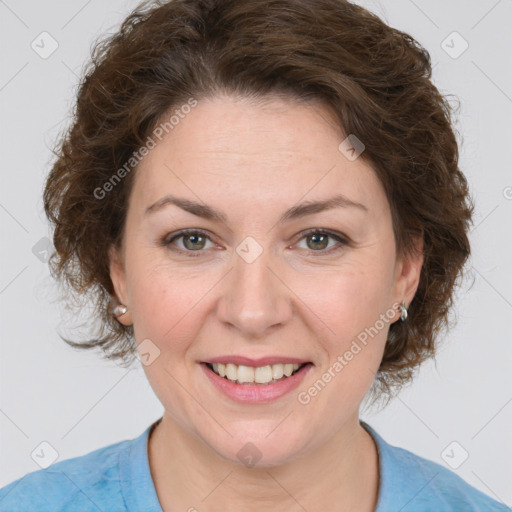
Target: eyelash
{"points": [[166, 241]]}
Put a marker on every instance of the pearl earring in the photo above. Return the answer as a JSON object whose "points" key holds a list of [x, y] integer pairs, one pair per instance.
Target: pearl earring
{"points": [[403, 311], [120, 310]]}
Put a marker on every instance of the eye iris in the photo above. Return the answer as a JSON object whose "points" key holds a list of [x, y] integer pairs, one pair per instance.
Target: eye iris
{"points": [[324, 241], [193, 236]]}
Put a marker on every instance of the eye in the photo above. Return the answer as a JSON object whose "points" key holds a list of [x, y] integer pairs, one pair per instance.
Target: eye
{"points": [[193, 240], [319, 240]]}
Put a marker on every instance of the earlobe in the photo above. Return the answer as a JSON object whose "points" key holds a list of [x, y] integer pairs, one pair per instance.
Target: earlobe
{"points": [[118, 277], [409, 273]]}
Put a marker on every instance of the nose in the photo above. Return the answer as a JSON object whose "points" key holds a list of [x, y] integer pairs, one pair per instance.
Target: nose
{"points": [[254, 298]]}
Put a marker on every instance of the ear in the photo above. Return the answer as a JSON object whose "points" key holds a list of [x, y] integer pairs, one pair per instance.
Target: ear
{"points": [[118, 277], [407, 274]]}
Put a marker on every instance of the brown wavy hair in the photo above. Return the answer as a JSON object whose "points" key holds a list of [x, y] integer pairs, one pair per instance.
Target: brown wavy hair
{"points": [[374, 78]]}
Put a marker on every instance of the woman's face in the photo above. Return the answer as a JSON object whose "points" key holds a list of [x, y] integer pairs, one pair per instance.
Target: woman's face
{"points": [[253, 288]]}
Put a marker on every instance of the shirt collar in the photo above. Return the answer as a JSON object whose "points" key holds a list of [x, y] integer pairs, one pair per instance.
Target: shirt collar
{"points": [[136, 483]]}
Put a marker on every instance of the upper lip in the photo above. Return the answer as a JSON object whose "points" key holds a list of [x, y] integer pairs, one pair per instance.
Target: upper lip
{"points": [[262, 361]]}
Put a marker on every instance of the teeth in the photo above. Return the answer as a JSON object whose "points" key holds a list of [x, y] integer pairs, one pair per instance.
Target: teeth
{"points": [[245, 374], [263, 374], [260, 375], [219, 368], [277, 371], [288, 369], [231, 371]]}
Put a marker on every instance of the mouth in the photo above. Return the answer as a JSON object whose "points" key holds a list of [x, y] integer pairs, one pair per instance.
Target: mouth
{"points": [[250, 375]]}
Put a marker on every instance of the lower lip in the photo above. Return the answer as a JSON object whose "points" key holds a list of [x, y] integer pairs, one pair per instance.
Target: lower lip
{"points": [[256, 393]]}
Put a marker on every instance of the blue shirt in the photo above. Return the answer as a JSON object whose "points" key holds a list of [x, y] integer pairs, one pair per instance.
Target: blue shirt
{"points": [[117, 478]]}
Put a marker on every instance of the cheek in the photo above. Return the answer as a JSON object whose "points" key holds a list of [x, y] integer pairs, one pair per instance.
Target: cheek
{"points": [[161, 299], [170, 305], [358, 316], [353, 304], [166, 308], [348, 299]]}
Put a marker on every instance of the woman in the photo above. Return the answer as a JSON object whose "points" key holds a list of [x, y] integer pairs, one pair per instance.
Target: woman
{"points": [[215, 145]]}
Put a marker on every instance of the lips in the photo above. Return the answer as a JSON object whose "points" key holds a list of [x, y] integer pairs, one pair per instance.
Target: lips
{"points": [[252, 392]]}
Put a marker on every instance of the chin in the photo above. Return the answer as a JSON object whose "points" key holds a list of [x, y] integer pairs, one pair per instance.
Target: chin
{"points": [[265, 448]]}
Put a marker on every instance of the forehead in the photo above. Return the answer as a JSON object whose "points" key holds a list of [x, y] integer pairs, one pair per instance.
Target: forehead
{"points": [[241, 150]]}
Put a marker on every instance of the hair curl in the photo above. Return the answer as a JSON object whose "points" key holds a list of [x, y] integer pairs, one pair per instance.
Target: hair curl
{"points": [[374, 78]]}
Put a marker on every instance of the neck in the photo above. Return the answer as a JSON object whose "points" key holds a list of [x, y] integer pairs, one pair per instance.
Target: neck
{"points": [[342, 475]]}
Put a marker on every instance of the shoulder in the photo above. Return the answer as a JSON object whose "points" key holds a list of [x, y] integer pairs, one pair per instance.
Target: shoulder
{"points": [[418, 484], [87, 482], [433, 484]]}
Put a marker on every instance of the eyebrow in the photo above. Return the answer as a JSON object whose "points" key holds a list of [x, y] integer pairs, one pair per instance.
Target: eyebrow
{"points": [[295, 212]]}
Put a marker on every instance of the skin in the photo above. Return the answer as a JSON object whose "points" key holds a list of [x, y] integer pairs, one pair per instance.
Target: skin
{"points": [[253, 160]]}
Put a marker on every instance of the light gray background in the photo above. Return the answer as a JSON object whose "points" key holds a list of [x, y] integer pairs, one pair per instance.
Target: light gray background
{"points": [[77, 403]]}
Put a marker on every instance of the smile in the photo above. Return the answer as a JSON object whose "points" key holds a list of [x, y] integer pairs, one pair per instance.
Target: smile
{"points": [[255, 381], [241, 374]]}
